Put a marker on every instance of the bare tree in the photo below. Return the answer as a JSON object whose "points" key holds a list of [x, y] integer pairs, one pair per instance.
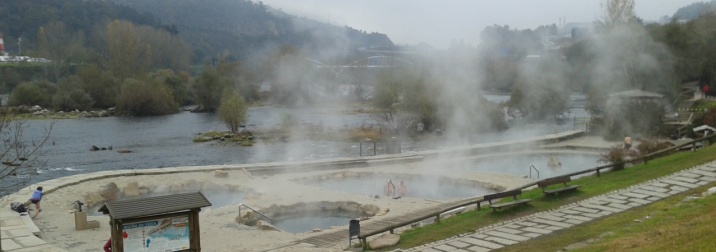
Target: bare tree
{"points": [[617, 12], [20, 157]]}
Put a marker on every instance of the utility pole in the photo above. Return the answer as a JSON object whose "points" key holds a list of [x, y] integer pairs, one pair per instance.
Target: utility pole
{"points": [[19, 46]]}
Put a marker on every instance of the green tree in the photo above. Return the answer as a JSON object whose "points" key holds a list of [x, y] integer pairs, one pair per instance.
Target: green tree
{"points": [[209, 87], [38, 92], [541, 91], [177, 82], [101, 85], [70, 95], [232, 110], [405, 98], [146, 98]]}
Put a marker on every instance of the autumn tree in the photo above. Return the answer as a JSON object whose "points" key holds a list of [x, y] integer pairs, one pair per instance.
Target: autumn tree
{"points": [[61, 46], [128, 54]]}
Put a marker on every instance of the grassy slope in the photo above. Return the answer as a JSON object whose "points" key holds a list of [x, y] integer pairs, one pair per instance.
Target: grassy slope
{"points": [[667, 225], [591, 186]]}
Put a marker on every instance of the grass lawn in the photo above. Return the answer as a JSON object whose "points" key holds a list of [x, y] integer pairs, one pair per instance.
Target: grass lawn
{"points": [[591, 186], [671, 224]]}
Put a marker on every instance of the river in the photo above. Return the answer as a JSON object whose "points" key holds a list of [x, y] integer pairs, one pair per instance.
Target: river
{"points": [[166, 141]]}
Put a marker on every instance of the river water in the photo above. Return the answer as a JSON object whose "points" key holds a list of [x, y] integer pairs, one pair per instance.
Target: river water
{"points": [[166, 141]]}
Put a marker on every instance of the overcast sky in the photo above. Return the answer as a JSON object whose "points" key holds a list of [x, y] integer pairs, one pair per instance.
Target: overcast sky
{"points": [[439, 22]]}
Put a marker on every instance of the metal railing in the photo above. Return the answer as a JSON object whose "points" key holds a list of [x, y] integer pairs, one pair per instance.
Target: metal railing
{"points": [[480, 199], [532, 167], [257, 212]]}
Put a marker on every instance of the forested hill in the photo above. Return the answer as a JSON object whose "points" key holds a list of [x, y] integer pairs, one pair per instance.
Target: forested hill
{"points": [[694, 10], [240, 27], [232, 29], [22, 19]]}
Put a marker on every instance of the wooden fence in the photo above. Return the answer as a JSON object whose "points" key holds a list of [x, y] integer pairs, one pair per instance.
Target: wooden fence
{"points": [[478, 200]]}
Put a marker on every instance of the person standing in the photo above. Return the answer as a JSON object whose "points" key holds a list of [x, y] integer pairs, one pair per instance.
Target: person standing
{"points": [[35, 199], [627, 143], [108, 246], [706, 90], [402, 189], [390, 189]]}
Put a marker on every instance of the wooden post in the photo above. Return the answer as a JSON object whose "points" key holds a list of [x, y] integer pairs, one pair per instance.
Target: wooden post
{"points": [[194, 233]]}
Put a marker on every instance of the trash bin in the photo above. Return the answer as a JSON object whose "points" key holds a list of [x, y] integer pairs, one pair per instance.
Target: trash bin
{"points": [[353, 230]]}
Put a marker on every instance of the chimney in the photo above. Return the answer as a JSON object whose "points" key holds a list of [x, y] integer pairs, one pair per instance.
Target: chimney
{"points": [[2, 45]]}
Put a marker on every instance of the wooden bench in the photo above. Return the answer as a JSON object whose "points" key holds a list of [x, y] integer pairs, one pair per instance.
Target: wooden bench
{"points": [[505, 194], [556, 180]]}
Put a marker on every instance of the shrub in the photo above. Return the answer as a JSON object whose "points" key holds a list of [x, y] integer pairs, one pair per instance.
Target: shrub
{"points": [[32, 93], [651, 145], [71, 100], [138, 97], [615, 155]]}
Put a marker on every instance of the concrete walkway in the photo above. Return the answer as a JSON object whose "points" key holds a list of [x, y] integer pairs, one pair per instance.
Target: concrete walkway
{"points": [[538, 224], [17, 236]]}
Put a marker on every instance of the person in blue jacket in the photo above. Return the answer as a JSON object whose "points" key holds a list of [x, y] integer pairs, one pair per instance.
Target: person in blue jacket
{"points": [[36, 198]]}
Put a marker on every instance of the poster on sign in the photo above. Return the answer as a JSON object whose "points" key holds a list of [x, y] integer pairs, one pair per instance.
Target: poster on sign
{"points": [[165, 234]]}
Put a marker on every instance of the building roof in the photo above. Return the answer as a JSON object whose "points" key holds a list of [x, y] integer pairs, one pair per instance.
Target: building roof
{"points": [[635, 93], [704, 128], [134, 208]]}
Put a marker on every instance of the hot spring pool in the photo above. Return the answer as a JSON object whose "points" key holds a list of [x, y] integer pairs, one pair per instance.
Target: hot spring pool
{"points": [[549, 164], [389, 185]]}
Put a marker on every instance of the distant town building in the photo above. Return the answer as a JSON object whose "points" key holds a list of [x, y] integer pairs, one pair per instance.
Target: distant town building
{"points": [[19, 59]]}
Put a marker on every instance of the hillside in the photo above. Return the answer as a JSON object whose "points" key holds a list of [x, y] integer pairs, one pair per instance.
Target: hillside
{"points": [[233, 29], [240, 27]]}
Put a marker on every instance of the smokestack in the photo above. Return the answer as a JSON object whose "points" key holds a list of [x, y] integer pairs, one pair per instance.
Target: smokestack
{"points": [[2, 45]]}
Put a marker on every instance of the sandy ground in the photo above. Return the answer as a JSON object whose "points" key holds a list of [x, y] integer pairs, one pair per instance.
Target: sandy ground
{"points": [[219, 230]]}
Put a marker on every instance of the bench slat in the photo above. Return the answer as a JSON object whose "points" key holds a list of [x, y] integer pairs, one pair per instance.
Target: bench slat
{"points": [[516, 202], [558, 190]]}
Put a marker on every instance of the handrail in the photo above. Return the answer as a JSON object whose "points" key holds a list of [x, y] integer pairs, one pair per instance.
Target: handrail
{"points": [[242, 204], [535, 168], [480, 199]]}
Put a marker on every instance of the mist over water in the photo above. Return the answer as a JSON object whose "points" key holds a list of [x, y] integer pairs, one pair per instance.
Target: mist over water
{"points": [[166, 141]]}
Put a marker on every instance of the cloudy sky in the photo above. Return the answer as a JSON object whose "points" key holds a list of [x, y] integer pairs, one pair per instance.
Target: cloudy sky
{"points": [[440, 22]]}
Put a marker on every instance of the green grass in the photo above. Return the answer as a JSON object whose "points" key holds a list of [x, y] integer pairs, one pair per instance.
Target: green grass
{"points": [[591, 186], [702, 104], [671, 224]]}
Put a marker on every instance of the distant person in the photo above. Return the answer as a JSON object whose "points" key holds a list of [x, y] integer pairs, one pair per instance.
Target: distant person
{"points": [[402, 189], [554, 162], [706, 91], [36, 198], [627, 143], [390, 188], [108, 246]]}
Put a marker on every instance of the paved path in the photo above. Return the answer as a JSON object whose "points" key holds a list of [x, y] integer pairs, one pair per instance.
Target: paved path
{"points": [[538, 224]]}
